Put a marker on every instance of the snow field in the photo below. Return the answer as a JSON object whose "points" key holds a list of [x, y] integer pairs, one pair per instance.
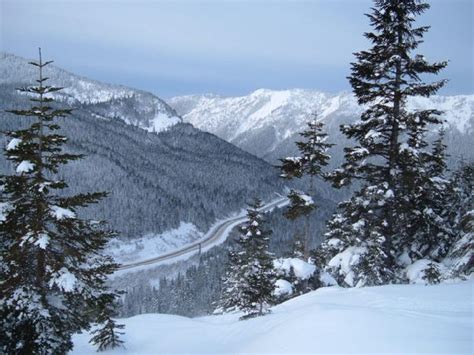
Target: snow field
{"points": [[395, 319]]}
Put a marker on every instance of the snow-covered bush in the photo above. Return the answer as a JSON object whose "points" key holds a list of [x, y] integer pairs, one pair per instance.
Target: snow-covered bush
{"points": [[293, 277], [283, 290]]}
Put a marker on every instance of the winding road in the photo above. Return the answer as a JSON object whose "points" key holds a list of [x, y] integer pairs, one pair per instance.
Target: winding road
{"points": [[212, 237]]}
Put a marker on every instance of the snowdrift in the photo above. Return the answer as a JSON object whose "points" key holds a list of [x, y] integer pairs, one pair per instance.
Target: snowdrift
{"points": [[403, 319]]}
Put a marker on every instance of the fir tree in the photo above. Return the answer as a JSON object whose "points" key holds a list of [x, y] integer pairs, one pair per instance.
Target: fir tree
{"points": [[392, 157], [460, 204], [107, 335], [313, 157], [249, 283], [231, 290], [51, 270], [298, 245], [432, 274], [430, 234]]}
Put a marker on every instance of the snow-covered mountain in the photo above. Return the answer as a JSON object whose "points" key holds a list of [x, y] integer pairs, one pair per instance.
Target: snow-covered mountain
{"points": [[266, 122], [135, 107], [157, 181]]}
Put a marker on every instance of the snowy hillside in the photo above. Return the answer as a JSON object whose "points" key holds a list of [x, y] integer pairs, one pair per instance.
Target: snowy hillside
{"points": [[266, 122], [156, 181], [135, 107], [397, 319]]}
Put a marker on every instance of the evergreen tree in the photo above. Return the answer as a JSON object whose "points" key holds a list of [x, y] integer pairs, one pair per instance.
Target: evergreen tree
{"points": [[231, 290], [298, 245], [392, 158], [432, 274], [460, 204], [107, 335], [51, 270], [249, 284], [430, 234], [313, 157]]}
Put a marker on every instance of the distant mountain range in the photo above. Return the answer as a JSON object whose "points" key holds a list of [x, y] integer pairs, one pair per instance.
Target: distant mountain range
{"points": [[155, 180], [266, 122]]}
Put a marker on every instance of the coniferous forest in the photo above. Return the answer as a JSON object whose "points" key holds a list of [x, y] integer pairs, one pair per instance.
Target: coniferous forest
{"points": [[120, 211]]}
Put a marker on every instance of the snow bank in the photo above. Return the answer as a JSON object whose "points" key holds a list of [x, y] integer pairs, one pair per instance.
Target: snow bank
{"points": [[395, 319]]}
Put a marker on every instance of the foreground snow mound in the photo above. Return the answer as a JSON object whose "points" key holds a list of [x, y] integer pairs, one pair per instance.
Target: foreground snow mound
{"points": [[404, 319]]}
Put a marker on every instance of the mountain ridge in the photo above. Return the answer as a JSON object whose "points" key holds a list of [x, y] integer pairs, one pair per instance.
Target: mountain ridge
{"points": [[266, 122], [133, 106]]}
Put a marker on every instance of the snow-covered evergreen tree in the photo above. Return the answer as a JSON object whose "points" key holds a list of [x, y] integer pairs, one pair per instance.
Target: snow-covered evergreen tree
{"points": [[460, 203], [379, 230], [313, 157], [298, 245], [107, 335], [51, 269], [231, 290], [249, 284], [430, 234]]}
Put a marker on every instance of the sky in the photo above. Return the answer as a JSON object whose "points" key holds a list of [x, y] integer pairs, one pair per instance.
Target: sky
{"points": [[226, 47]]}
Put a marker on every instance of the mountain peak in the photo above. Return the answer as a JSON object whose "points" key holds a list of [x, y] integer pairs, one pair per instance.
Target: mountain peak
{"points": [[266, 122]]}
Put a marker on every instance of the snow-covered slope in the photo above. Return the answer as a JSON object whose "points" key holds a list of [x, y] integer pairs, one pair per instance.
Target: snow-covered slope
{"points": [[135, 107], [266, 122], [396, 319], [155, 181]]}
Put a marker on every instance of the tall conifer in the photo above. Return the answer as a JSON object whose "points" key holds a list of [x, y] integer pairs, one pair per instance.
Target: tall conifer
{"points": [[51, 269], [391, 157], [313, 157]]}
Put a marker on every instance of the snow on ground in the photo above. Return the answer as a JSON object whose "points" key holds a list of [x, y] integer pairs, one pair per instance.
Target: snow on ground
{"points": [[396, 319], [152, 245]]}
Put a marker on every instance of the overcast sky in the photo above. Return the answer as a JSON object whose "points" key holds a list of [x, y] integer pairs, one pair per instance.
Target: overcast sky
{"points": [[224, 47]]}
